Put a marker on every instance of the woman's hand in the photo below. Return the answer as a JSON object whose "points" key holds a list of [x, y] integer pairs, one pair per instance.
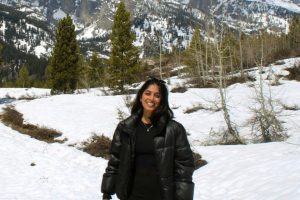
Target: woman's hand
{"points": [[106, 197]]}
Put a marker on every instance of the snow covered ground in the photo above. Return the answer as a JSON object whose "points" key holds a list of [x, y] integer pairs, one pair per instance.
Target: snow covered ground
{"points": [[34, 170]]}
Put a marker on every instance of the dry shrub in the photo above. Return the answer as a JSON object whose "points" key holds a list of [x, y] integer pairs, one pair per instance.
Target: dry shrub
{"points": [[214, 82], [198, 161], [26, 97], [179, 89], [222, 137], [279, 62], [199, 106], [11, 117], [238, 79], [282, 54], [194, 82], [294, 73], [194, 108], [97, 146], [290, 107], [266, 127]]}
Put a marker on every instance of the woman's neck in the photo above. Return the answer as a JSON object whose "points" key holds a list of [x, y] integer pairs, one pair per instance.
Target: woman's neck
{"points": [[146, 118]]}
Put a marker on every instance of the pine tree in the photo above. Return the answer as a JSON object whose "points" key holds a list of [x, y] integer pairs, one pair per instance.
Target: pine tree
{"points": [[123, 63], [83, 81], [294, 32], [195, 58], [96, 71], [23, 79], [230, 51], [1, 48], [63, 65]]}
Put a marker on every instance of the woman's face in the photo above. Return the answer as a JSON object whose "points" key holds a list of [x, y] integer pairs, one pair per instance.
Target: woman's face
{"points": [[150, 99]]}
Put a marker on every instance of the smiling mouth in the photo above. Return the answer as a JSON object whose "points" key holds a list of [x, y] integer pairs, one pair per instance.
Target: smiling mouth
{"points": [[150, 104]]}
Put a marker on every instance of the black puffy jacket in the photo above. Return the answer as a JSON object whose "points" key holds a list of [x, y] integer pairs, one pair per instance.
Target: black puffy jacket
{"points": [[173, 157]]}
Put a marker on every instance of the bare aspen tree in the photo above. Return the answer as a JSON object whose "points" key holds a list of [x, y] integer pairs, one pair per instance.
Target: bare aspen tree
{"points": [[177, 55], [212, 62], [84, 70], [231, 134], [265, 123], [206, 58], [159, 40], [241, 54], [160, 70], [198, 58], [240, 49], [201, 67], [195, 61], [210, 50]]}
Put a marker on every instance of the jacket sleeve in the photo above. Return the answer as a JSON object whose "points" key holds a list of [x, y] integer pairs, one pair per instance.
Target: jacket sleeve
{"points": [[183, 166], [111, 171]]}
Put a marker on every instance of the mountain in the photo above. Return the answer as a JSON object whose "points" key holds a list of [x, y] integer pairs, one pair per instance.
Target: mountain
{"points": [[29, 25]]}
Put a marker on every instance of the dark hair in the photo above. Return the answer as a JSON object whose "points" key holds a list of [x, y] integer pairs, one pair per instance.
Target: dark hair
{"points": [[163, 109]]}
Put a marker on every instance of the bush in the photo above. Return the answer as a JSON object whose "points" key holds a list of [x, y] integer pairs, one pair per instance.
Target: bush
{"points": [[214, 82], [97, 146], [198, 161], [195, 108], [11, 117], [238, 79], [290, 107], [222, 137], [294, 73], [279, 62], [266, 127], [194, 82], [179, 89]]}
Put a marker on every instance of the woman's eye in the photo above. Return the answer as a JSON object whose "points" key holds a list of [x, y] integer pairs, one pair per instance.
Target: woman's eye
{"points": [[157, 96]]}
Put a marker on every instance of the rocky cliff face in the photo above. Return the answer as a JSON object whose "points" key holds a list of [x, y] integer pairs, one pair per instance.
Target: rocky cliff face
{"points": [[169, 22]]}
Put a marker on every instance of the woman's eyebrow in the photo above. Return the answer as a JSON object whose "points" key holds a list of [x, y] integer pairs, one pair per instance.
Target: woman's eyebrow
{"points": [[152, 91]]}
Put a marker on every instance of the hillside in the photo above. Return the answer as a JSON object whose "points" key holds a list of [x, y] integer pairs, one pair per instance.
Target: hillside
{"points": [[38, 170], [171, 20]]}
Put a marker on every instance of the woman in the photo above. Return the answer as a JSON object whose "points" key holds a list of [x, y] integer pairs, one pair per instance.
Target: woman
{"points": [[151, 158]]}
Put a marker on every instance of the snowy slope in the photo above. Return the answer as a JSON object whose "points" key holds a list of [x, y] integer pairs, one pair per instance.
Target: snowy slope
{"points": [[287, 4], [58, 171], [269, 171]]}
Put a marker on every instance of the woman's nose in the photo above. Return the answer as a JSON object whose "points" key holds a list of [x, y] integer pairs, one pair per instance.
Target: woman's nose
{"points": [[151, 97]]}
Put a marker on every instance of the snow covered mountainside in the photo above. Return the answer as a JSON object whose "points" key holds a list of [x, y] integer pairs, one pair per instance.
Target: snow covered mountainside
{"points": [[31, 169], [171, 20]]}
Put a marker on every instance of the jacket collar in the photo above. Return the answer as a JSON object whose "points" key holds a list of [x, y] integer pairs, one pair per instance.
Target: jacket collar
{"points": [[130, 124], [160, 126]]}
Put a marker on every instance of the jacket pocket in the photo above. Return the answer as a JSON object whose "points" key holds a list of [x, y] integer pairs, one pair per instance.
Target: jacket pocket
{"points": [[165, 161], [167, 188], [122, 182]]}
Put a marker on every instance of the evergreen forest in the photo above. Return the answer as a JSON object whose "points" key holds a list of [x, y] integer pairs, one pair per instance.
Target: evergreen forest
{"points": [[211, 52]]}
